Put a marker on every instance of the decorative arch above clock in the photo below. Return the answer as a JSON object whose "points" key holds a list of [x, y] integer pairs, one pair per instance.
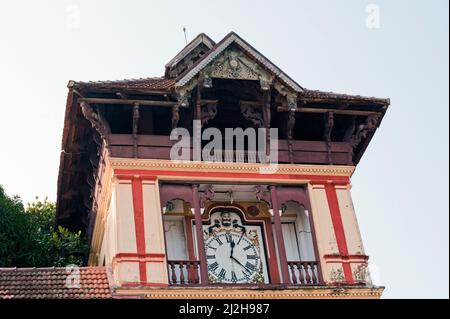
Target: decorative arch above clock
{"points": [[246, 208]]}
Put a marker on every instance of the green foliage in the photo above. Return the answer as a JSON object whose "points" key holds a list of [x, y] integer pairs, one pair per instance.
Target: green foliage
{"points": [[29, 237]]}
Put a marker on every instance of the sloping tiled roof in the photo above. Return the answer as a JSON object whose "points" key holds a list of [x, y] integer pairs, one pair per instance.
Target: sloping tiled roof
{"points": [[156, 83], [316, 94], [201, 38], [54, 283]]}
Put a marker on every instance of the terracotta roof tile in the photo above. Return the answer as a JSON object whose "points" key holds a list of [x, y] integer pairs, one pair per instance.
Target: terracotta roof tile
{"points": [[316, 94], [155, 83], [51, 283]]}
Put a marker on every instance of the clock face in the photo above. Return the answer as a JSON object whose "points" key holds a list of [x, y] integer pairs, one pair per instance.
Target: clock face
{"points": [[232, 257], [234, 252]]}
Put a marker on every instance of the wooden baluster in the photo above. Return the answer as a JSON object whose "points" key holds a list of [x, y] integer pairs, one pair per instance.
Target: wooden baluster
{"points": [[192, 279], [307, 276], [313, 270], [182, 282], [196, 279], [301, 279], [174, 275], [293, 276]]}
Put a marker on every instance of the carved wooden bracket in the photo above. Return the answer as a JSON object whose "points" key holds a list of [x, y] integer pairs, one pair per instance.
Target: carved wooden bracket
{"points": [[291, 101], [208, 194], [364, 130], [262, 193], [328, 129], [208, 112], [135, 128], [175, 115], [290, 134], [97, 121], [183, 98], [252, 113]]}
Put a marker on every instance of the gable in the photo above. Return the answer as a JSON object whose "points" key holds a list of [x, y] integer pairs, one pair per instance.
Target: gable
{"points": [[234, 58], [190, 54]]}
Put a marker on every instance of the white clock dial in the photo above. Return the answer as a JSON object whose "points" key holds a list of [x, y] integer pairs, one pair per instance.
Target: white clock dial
{"points": [[232, 257]]}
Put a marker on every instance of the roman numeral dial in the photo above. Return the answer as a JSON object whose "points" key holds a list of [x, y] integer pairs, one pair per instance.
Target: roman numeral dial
{"points": [[232, 257]]}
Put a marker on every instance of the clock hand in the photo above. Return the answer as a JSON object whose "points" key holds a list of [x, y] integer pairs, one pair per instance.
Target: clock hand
{"points": [[241, 238], [232, 244], [240, 264]]}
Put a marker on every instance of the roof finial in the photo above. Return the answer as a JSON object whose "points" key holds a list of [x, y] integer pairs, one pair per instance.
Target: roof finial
{"points": [[184, 31]]}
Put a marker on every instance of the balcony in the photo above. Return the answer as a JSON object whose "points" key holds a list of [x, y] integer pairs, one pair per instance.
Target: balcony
{"points": [[303, 272], [305, 152], [184, 272], [187, 273]]}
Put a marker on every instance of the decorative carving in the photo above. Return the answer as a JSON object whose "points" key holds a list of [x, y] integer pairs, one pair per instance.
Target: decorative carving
{"points": [[97, 121], [234, 64], [290, 134], [263, 194], [175, 115], [182, 98], [253, 114], [253, 211], [135, 128], [291, 101], [329, 124], [135, 118], [208, 194], [265, 84], [207, 82], [234, 167], [209, 111], [364, 130]]}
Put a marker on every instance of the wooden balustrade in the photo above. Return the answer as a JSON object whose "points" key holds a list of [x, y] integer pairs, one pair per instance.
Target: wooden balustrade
{"points": [[184, 272], [303, 272], [305, 152]]}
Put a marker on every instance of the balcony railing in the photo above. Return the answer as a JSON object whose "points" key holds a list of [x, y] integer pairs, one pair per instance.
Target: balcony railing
{"points": [[187, 272], [307, 152], [183, 272], [303, 272]]}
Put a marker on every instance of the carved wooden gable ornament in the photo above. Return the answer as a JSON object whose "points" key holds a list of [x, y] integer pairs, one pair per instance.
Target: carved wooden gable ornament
{"points": [[233, 58]]}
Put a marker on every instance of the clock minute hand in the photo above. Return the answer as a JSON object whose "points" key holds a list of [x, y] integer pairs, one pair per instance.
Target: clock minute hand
{"points": [[240, 264]]}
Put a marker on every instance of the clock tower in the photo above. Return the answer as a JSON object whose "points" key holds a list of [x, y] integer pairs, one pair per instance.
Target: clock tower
{"points": [[224, 178]]}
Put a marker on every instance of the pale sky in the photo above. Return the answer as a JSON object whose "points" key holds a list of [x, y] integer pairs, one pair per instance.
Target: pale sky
{"points": [[400, 188]]}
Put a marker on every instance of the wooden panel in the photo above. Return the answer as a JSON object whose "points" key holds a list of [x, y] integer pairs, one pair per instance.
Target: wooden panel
{"points": [[305, 152]]}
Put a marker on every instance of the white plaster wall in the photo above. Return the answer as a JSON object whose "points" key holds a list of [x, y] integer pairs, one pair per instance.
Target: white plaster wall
{"points": [[109, 242], [323, 225], [154, 232], [126, 272], [351, 228], [322, 222], [125, 228]]}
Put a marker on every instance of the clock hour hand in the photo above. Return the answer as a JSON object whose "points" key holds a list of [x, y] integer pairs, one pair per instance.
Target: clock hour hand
{"points": [[232, 244]]}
